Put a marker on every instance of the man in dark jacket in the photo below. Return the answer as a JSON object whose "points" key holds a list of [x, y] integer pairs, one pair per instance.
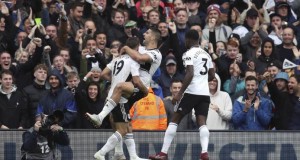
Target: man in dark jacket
{"points": [[57, 98], [36, 91], [39, 142], [13, 104]]}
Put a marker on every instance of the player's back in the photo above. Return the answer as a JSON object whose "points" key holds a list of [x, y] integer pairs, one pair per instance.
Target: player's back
{"points": [[202, 62], [122, 69], [149, 68]]}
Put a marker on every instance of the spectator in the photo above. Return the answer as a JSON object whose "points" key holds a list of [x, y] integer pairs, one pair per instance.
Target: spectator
{"points": [[89, 99], [284, 10], [101, 42], [181, 19], [187, 122], [116, 31], [286, 49], [168, 74], [179, 4], [268, 55], [251, 111], [72, 81], [75, 18], [215, 30], [194, 9], [149, 113], [57, 98], [236, 83], [35, 91], [65, 53], [13, 104], [278, 90], [153, 18], [276, 28], [220, 108]]}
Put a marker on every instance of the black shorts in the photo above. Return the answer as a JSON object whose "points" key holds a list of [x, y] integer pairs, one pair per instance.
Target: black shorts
{"points": [[121, 113], [136, 96], [189, 101]]}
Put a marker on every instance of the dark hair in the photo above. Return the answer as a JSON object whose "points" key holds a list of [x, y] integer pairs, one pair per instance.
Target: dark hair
{"points": [[192, 35], [153, 10], [181, 9], [76, 4], [297, 77], [251, 78], [115, 11], [6, 72], [40, 66], [92, 83], [174, 80], [156, 33], [268, 39], [132, 42]]}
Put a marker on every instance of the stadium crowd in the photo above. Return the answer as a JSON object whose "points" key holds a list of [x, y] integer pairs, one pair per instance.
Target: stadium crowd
{"points": [[52, 53]]}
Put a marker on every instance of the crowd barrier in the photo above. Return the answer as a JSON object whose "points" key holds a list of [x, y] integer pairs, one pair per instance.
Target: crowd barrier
{"points": [[223, 145]]}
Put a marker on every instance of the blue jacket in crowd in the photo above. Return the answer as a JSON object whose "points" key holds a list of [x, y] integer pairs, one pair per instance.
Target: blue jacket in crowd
{"points": [[252, 120]]}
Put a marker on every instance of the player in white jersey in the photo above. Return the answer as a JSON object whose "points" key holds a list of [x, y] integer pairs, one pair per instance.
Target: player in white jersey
{"points": [[149, 62], [119, 70], [194, 94]]}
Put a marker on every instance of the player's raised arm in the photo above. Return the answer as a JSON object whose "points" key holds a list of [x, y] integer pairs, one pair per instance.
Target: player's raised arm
{"points": [[135, 55]]}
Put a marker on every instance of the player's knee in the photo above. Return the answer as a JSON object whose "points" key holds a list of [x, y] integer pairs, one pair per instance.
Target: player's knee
{"points": [[119, 87], [122, 130]]}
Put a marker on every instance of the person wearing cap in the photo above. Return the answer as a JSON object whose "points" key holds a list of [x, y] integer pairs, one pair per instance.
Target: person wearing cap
{"points": [[276, 28], [250, 26], [274, 68], [278, 90], [128, 28], [284, 10], [215, 30], [168, 74]]}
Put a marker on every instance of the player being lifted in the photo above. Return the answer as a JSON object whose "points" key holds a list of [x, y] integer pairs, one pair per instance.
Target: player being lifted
{"points": [[149, 59], [193, 94]]}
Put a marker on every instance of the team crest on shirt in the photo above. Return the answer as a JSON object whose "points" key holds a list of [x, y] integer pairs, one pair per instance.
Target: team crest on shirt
{"points": [[154, 55]]}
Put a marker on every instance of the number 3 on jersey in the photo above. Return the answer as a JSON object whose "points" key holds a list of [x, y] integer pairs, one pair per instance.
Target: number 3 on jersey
{"points": [[118, 67], [205, 66]]}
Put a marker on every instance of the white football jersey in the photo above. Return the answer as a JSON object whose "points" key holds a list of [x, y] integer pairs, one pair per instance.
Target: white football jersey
{"points": [[202, 62], [148, 69], [122, 68]]}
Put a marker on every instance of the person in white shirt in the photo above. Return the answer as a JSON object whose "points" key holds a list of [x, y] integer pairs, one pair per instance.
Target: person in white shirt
{"points": [[220, 108]]}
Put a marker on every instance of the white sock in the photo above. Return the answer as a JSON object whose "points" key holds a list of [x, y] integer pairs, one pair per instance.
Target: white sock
{"points": [[108, 107], [111, 143], [119, 148], [130, 144], [204, 138], [169, 136]]}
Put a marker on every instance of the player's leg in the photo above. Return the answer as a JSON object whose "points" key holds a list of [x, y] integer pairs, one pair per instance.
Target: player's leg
{"points": [[121, 125], [113, 140], [201, 112], [130, 144], [119, 154], [122, 89], [184, 107]]}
